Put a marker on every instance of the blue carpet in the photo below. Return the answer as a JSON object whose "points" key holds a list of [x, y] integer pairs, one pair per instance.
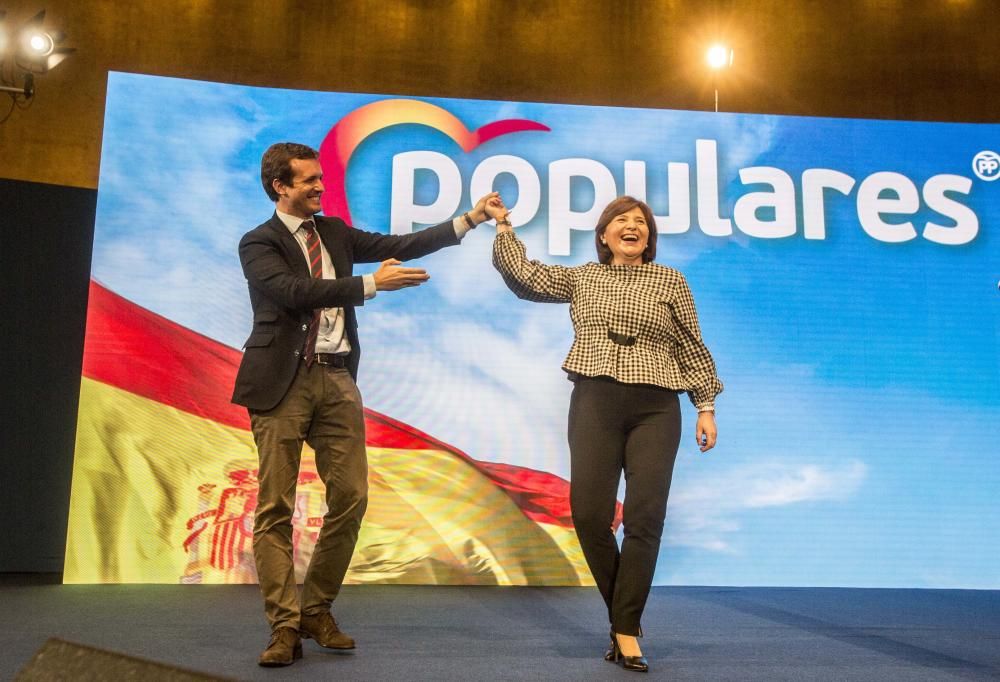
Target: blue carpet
{"points": [[491, 633]]}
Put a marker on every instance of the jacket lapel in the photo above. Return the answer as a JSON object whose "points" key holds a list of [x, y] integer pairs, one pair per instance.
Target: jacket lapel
{"points": [[290, 248]]}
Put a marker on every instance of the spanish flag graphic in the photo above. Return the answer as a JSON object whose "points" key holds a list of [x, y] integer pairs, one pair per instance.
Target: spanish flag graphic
{"points": [[164, 480]]}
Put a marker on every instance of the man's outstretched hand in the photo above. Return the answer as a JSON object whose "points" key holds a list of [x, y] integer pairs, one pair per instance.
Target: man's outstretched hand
{"points": [[390, 277]]}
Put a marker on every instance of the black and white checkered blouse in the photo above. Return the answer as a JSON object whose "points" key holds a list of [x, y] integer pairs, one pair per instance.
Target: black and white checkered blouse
{"points": [[636, 323]]}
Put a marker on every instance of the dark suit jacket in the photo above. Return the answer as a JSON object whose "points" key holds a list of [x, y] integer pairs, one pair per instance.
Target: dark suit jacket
{"points": [[283, 295]]}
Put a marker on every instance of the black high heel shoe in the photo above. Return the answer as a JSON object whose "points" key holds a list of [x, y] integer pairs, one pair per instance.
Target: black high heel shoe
{"points": [[637, 664], [609, 655]]}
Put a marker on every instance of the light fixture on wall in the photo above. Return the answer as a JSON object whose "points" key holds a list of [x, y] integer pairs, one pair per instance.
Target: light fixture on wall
{"points": [[31, 50], [718, 57]]}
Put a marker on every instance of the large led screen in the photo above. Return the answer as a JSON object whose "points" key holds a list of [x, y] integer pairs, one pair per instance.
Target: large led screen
{"points": [[845, 273]]}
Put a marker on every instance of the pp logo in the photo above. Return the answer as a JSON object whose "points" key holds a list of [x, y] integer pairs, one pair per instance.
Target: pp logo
{"points": [[986, 165]]}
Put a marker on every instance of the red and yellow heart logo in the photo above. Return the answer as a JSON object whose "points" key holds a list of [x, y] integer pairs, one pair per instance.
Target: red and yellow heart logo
{"points": [[349, 132]]}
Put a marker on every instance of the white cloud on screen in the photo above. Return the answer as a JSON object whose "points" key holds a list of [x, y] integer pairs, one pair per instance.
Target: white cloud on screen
{"points": [[464, 276], [507, 110], [191, 288], [496, 397], [705, 513], [747, 139], [171, 209]]}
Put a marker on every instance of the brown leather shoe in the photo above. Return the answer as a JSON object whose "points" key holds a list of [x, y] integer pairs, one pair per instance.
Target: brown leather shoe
{"points": [[284, 647], [323, 628]]}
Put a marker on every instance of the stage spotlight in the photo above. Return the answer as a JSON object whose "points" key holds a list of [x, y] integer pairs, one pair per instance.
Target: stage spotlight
{"points": [[39, 51], [719, 57], [23, 53], [40, 44]]}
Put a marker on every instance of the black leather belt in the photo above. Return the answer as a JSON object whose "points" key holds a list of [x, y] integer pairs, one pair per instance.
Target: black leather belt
{"points": [[330, 359], [621, 339]]}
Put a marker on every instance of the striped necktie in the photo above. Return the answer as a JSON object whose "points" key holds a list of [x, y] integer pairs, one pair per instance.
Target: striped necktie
{"points": [[316, 270]]}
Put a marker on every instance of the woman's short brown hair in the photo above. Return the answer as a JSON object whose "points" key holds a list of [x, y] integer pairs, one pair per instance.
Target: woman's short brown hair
{"points": [[621, 205]]}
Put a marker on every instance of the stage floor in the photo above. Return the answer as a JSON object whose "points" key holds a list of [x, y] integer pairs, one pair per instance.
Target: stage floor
{"points": [[491, 633]]}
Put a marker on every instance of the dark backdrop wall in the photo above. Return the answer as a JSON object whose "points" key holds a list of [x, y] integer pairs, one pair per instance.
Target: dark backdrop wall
{"points": [[908, 59], [45, 261]]}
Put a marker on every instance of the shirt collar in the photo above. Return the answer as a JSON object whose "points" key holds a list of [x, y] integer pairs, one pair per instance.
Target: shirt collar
{"points": [[293, 223]]}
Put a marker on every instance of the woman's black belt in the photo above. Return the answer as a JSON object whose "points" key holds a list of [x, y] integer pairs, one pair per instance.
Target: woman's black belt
{"points": [[621, 339]]}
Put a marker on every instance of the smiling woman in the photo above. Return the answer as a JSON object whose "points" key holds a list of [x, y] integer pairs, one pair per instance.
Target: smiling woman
{"points": [[626, 233], [637, 345]]}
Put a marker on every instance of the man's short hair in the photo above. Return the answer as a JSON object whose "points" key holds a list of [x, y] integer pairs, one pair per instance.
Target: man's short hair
{"points": [[276, 164]]}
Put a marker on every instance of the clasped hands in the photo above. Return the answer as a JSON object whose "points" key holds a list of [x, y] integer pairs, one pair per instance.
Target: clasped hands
{"points": [[496, 210], [390, 276]]}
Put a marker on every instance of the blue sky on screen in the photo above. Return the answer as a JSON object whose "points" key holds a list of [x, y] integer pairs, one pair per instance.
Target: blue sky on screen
{"points": [[860, 422]]}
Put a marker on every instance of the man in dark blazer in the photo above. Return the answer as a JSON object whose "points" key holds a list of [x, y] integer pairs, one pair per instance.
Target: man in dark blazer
{"points": [[297, 379]]}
